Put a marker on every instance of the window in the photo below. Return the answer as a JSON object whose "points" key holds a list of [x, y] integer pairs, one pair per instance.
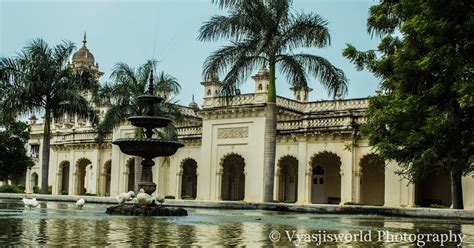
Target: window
{"points": [[34, 151], [209, 92]]}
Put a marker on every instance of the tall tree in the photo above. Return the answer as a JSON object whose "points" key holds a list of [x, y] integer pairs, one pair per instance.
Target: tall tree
{"points": [[424, 120], [122, 95], [14, 159], [266, 32], [38, 79]]}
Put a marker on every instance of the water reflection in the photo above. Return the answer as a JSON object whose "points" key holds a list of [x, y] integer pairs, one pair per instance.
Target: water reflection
{"points": [[59, 224]]}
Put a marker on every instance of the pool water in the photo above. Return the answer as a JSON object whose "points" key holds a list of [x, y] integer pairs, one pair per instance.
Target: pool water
{"points": [[62, 224]]}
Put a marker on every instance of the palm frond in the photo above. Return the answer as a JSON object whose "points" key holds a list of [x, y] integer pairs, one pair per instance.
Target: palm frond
{"points": [[241, 70], [62, 52], [331, 77], [219, 61], [167, 84], [306, 30], [115, 115], [224, 27], [294, 71]]}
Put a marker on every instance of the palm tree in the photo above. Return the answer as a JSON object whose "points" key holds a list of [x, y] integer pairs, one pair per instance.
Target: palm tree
{"points": [[265, 32], [122, 96], [38, 79]]}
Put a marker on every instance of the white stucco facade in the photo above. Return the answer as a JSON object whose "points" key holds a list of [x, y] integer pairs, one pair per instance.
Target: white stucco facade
{"points": [[320, 156]]}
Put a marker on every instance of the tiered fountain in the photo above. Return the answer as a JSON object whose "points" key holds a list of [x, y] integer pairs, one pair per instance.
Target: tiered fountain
{"points": [[148, 148]]}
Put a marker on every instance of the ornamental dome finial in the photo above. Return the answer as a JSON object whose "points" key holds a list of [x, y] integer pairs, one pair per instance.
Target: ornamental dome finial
{"points": [[84, 41]]}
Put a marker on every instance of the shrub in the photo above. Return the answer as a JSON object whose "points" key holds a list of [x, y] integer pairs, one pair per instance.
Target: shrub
{"points": [[36, 189], [438, 206], [11, 189], [187, 197], [170, 197]]}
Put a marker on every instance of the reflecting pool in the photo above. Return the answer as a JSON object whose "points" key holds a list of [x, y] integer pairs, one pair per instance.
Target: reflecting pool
{"points": [[62, 224]]}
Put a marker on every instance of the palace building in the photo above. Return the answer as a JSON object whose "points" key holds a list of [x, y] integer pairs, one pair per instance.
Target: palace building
{"points": [[321, 157]]}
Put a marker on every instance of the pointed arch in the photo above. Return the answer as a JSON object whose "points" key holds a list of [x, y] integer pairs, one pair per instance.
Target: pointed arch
{"points": [[232, 171], [287, 173], [63, 173], [188, 174], [372, 180], [82, 173], [325, 177], [106, 177]]}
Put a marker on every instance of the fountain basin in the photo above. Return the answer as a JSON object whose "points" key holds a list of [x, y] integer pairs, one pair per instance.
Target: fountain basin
{"points": [[149, 122], [149, 99], [147, 148], [150, 210]]}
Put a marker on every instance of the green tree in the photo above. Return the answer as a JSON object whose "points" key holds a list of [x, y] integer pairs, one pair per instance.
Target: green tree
{"points": [[424, 119], [38, 79], [265, 32], [13, 156], [122, 94]]}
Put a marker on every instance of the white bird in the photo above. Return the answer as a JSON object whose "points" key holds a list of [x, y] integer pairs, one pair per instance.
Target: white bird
{"points": [[80, 203], [159, 199], [144, 198], [123, 197], [30, 203]]}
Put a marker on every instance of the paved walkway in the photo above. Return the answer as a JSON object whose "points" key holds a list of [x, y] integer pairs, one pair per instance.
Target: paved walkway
{"points": [[286, 207]]}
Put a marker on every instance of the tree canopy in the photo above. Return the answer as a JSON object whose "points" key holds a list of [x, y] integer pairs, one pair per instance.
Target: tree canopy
{"points": [[122, 95], [39, 80], [423, 120], [13, 155]]}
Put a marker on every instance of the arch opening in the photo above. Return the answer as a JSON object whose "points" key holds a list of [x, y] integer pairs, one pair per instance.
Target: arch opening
{"points": [[64, 170], [189, 179], [83, 176], [108, 177], [372, 180], [233, 178], [288, 179], [433, 191], [326, 178]]}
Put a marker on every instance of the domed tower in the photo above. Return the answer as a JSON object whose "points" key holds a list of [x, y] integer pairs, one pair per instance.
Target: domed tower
{"points": [[301, 93], [84, 59], [193, 104], [211, 87]]}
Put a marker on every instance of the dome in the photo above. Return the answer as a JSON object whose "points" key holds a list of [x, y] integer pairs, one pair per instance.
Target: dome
{"points": [[193, 104], [263, 71], [83, 56]]}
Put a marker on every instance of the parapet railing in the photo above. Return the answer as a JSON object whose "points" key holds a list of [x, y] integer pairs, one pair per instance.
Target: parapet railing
{"points": [[303, 107]]}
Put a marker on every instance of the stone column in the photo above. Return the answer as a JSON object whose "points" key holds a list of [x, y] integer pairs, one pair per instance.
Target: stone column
{"points": [[303, 190], [218, 195], [179, 179], [276, 192], [57, 189], [28, 184], [346, 177]]}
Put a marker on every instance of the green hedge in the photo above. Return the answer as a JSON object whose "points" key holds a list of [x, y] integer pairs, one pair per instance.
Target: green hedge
{"points": [[12, 189]]}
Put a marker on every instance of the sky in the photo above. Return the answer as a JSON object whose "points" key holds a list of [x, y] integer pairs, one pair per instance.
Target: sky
{"points": [[134, 31]]}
